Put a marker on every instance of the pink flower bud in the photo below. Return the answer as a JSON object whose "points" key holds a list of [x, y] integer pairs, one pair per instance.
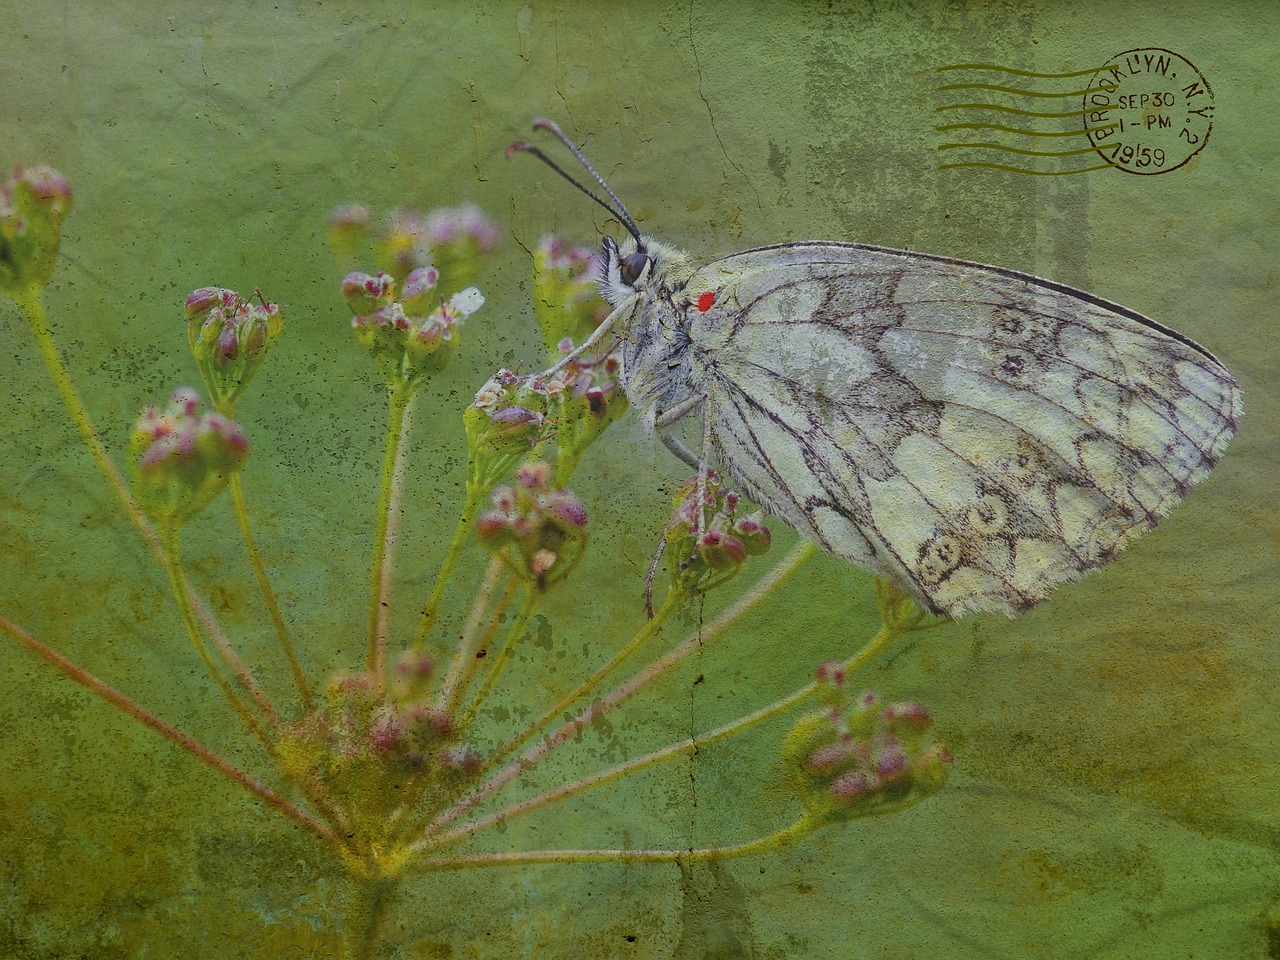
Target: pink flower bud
{"points": [[755, 536], [831, 671], [565, 507], [721, 551], [349, 228], [418, 292], [491, 526], [365, 293], [199, 302], [50, 188], [541, 562], [891, 762], [907, 719], [534, 476], [850, 787]]}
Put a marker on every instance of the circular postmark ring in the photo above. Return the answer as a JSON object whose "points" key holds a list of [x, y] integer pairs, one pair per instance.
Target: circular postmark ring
{"points": [[1148, 111]]}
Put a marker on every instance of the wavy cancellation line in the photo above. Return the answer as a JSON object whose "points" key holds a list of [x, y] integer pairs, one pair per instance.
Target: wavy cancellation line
{"points": [[1026, 153], [1003, 109], [1021, 73], [1018, 130], [1018, 90]]}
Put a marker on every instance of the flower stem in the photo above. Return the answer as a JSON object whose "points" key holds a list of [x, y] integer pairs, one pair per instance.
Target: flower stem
{"points": [[268, 594], [475, 493], [872, 649], [198, 750], [366, 915], [532, 600], [651, 628], [759, 591], [32, 306], [458, 677], [781, 838], [379, 580], [177, 582]]}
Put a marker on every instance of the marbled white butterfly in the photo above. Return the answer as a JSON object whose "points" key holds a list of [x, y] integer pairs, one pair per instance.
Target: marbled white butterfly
{"points": [[974, 434]]}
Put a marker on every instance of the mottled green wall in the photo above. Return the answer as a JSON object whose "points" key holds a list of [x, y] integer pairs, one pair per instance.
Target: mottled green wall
{"points": [[1116, 788]]}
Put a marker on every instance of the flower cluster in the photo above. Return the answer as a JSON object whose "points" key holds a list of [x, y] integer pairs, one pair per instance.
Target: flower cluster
{"points": [[411, 333], [33, 204], [538, 532], [377, 748], [859, 756], [229, 336], [508, 414], [454, 239], [180, 459], [706, 543], [566, 301]]}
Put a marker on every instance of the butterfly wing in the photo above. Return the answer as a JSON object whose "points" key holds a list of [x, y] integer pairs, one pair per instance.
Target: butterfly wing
{"points": [[975, 434]]}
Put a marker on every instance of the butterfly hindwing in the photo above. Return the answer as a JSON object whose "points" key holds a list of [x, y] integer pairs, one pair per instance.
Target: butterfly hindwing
{"points": [[978, 434]]}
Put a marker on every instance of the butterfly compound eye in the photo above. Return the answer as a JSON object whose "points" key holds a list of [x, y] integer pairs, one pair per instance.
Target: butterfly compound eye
{"points": [[632, 266]]}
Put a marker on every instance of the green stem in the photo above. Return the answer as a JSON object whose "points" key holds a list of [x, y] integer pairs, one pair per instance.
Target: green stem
{"points": [[675, 598], [475, 493], [464, 654], [788, 835], [268, 594], [532, 600], [177, 582], [870, 651], [175, 736], [31, 304], [379, 583], [758, 592], [366, 916]]}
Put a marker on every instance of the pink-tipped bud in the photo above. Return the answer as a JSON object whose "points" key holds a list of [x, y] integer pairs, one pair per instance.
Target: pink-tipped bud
{"points": [[365, 293], [831, 671], [418, 294], [458, 225], [491, 527], [932, 768], [199, 302], [415, 666], [755, 536], [721, 551], [891, 762], [47, 186], [349, 228], [463, 760], [541, 562], [386, 733], [849, 787], [567, 508], [534, 476], [907, 718]]}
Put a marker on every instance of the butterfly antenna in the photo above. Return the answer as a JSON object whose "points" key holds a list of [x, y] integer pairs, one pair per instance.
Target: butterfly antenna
{"points": [[619, 209]]}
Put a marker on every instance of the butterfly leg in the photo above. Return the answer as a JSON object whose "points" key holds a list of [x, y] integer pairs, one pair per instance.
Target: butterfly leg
{"points": [[591, 343], [665, 424]]}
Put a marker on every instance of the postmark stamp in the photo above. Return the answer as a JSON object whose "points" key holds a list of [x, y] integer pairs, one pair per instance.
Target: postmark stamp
{"points": [[1148, 111], [1145, 111]]}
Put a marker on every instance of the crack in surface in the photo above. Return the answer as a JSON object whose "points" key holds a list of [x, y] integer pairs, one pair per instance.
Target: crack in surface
{"points": [[697, 63]]}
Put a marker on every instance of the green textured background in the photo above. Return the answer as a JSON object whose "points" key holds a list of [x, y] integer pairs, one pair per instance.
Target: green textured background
{"points": [[1117, 785]]}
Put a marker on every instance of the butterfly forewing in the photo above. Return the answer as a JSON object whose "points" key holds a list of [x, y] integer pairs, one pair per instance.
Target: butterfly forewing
{"points": [[973, 433]]}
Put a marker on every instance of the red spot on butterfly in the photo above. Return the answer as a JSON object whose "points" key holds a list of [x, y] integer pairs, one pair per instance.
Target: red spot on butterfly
{"points": [[705, 301]]}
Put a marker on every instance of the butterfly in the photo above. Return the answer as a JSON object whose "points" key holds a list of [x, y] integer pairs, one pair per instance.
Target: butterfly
{"points": [[974, 434]]}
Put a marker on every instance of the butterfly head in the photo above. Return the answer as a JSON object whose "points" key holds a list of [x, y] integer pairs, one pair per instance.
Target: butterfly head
{"points": [[632, 268]]}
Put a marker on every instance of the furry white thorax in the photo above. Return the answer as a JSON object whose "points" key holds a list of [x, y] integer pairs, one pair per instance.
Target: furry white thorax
{"points": [[655, 371]]}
